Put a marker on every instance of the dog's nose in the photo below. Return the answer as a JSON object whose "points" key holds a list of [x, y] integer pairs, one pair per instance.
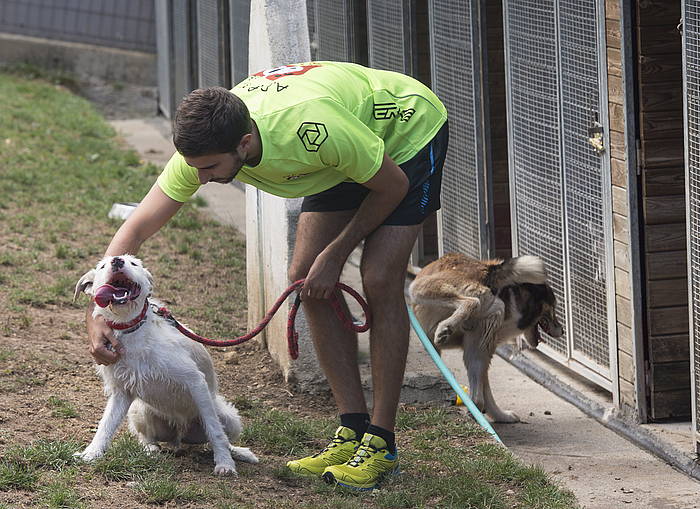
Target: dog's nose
{"points": [[117, 263]]}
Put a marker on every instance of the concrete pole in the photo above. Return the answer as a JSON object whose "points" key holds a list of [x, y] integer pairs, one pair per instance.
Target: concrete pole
{"points": [[278, 36]]}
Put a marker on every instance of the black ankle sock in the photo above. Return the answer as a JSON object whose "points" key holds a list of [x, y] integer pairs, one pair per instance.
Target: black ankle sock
{"points": [[356, 422], [387, 435]]}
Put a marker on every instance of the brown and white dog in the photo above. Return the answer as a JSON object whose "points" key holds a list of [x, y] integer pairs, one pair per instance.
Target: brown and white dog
{"points": [[476, 305]]}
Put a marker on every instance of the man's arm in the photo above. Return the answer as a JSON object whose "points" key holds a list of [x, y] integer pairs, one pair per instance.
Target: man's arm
{"points": [[387, 188], [153, 212]]}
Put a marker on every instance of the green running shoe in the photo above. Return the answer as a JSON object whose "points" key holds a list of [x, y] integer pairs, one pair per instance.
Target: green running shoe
{"points": [[340, 450], [371, 463]]}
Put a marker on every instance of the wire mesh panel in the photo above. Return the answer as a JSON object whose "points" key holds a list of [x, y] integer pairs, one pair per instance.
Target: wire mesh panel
{"points": [[691, 54], [127, 24], [164, 62], [239, 27], [455, 72], [534, 139], [584, 193], [311, 21], [183, 61], [560, 190], [211, 44], [175, 35], [334, 30], [390, 35]]}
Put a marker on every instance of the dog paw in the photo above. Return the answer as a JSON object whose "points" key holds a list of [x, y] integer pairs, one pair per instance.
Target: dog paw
{"points": [[243, 454], [152, 448], [88, 455], [225, 469], [506, 416], [443, 334], [480, 404]]}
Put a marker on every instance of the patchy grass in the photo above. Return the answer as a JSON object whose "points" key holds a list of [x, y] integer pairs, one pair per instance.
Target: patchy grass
{"points": [[446, 462], [17, 476], [159, 490], [126, 460], [61, 408], [51, 454], [61, 492], [282, 434], [62, 170]]}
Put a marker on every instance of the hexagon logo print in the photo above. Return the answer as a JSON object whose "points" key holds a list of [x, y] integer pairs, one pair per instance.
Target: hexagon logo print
{"points": [[312, 135]]}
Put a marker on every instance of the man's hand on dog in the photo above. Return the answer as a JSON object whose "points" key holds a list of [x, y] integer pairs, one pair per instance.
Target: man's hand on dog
{"points": [[104, 347]]}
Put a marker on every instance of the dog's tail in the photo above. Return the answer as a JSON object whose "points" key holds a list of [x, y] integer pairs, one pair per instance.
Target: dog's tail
{"points": [[523, 269]]}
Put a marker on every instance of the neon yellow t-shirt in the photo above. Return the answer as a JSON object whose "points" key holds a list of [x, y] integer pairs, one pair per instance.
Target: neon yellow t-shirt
{"points": [[323, 123]]}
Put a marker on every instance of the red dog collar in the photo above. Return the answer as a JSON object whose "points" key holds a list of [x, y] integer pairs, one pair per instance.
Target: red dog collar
{"points": [[135, 323]]}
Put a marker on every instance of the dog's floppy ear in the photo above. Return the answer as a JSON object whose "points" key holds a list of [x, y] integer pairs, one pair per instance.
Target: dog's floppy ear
{"points": [[84, 284], [149, 276]]}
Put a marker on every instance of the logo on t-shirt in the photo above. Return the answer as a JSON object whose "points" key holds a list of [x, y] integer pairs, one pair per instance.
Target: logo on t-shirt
{"points": [[295, 176], [285, 70], [387, 111], [312, 135]]}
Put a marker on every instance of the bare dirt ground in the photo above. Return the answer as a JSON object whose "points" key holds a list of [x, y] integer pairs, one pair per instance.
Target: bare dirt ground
{"points": [[119, 101], [49, 359], [44, 357]]}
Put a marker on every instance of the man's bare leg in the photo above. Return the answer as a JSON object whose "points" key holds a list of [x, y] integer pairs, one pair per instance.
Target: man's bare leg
{"points": [[336, 346], [383, 267]]}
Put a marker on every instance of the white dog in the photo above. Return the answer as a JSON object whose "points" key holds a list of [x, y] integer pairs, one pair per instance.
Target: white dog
{"points": [[164, 380]]}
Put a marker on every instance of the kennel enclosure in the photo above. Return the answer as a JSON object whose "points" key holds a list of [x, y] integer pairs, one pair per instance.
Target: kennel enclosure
{"points": [[560, 188], [465, 220]]}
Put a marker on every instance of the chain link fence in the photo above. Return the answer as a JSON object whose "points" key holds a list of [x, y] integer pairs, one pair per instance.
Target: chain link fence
{"points": [[123, 24]]}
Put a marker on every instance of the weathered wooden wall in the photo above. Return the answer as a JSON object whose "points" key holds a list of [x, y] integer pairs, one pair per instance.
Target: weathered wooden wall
{"points": [[661, 161], [620, 205], [660, 165], [498, 126], [495, 94]]}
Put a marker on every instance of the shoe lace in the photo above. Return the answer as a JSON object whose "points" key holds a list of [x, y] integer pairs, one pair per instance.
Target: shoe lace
{"points": [[335, 442], [363, 452]]}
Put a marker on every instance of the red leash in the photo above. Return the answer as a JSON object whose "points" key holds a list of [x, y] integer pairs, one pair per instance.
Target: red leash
{"points": [[292, 336]]}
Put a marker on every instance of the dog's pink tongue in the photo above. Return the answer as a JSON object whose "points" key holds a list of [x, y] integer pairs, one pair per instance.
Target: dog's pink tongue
{"points": [[106, 294]]}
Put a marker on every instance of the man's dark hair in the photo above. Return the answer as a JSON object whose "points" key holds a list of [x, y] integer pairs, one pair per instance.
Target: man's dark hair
{"points": [[210, 121]]}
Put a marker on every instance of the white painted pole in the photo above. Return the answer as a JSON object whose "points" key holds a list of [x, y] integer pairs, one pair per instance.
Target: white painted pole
{"points": [[278, 36]]}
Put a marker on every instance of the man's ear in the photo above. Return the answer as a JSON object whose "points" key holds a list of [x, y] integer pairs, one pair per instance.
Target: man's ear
{"points": [[244, 144], [85, 284]]}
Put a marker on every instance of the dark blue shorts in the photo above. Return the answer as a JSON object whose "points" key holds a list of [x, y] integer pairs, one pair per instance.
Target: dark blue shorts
{"points": [[424, 172]]}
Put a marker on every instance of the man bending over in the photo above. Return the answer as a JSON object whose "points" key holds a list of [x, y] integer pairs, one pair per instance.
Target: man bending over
{"points": [[366, 149]]}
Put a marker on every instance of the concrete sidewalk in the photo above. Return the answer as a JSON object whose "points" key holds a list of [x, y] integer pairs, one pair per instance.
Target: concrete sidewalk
{"points": [[564, 435]]}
